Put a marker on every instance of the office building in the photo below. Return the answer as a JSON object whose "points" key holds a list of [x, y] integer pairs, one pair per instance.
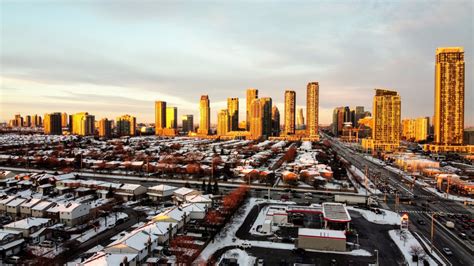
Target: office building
{"points": [[312, 110], [252, 94], [387, 124], [188, 123], [27, 121], [160, 116], [83, 124], [300, 119], [18, 122], [223, 122], [415, 129], [52, 124], [105, 128], [359, 113], [275, 121], [205, 115], [290, 105], [126, 125], [233, 109], [172, 117], [267, 116], [64, 120]]}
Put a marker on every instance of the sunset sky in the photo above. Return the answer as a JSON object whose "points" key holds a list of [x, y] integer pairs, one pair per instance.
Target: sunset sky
{"points": [[117, 57]]}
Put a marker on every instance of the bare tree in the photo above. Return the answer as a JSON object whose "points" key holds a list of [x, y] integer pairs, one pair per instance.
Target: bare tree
{"points": [[417, 253]]}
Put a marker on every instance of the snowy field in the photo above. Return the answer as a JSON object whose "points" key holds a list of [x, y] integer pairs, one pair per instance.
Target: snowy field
{"points": [[111, 219], [388, 217], [406, 245], [243, 258]]}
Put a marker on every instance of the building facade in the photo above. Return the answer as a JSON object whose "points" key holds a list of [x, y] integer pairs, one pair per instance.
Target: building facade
{"points": [[105, 128], [252, 94], [205, 115], [126, 125], [387, 124], [83, 124], [300, 119], [233, 109], [172, 117], [52, 124], [160, 116], [275, 121], [449, 96], [187, 123], [312, 109], [223, 122], [290, 115]]}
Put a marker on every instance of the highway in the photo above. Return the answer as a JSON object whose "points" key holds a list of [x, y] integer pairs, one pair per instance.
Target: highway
{"points": [[463, 250]]}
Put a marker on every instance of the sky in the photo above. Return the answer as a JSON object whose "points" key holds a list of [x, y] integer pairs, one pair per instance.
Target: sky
{"points": [[113, 57]]}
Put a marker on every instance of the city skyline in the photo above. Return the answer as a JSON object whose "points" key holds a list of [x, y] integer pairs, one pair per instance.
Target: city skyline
{"points": [[106, 86]]}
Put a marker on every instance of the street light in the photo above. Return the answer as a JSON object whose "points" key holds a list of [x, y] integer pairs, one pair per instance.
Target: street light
{"points": [[376, 251]]}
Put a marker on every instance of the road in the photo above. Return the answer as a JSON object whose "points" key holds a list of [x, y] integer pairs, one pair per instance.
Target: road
{"points": [[462, 250]]}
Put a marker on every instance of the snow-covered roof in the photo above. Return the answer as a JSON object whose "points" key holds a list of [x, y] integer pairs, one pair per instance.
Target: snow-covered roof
{"points": [[183, 191], [321, 233], [162, 188], [42, 206], [16, 202], [106, 259], [27, 223], [8, 199], [335, 212]]}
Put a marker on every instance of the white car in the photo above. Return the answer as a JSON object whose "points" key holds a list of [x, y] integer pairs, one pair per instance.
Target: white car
{"points": [[245, 245]]}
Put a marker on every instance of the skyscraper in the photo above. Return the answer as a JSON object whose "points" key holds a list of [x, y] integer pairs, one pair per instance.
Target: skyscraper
{"points": [[188, 123], [223, 122], [300, 119], [28, 121], [82, 124], [256, 119], [449, 96], [105, 128], [233, 108], [18, 120], [290, 105], [126, 125], [386, 113], [275, 121], [312, 109], [266, 104], [160, 116], [52, 124], [252, 94], [205, 115], [172, 117], [359, 113], [64, 119]]}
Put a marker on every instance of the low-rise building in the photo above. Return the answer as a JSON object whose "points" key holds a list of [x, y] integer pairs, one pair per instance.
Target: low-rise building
{"points": [[11, 243], [13, 207], [26, 208], [4, 200], [39, 210], [179, 195], [160, 192], [321, 239], [73, 213], [28, 226]]}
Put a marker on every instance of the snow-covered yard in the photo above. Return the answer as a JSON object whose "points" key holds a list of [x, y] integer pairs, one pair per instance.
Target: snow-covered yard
{"points": [[243, 258], [406, 244], [111, 220], [388, 217], [446, 196]]}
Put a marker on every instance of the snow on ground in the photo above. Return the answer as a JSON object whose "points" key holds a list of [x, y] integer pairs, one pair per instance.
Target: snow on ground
{"points": [[370, 186], [332, 186], [243, 258], [259, 221], [355, 252], [388, 217], [444, 195], [111, 219], [405, 246], [303, 185], [224, 238]]}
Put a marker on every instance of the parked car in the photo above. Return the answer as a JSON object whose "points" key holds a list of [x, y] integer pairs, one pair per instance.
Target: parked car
{"points": [[260, 262], [245, 245], [421, 222]]}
